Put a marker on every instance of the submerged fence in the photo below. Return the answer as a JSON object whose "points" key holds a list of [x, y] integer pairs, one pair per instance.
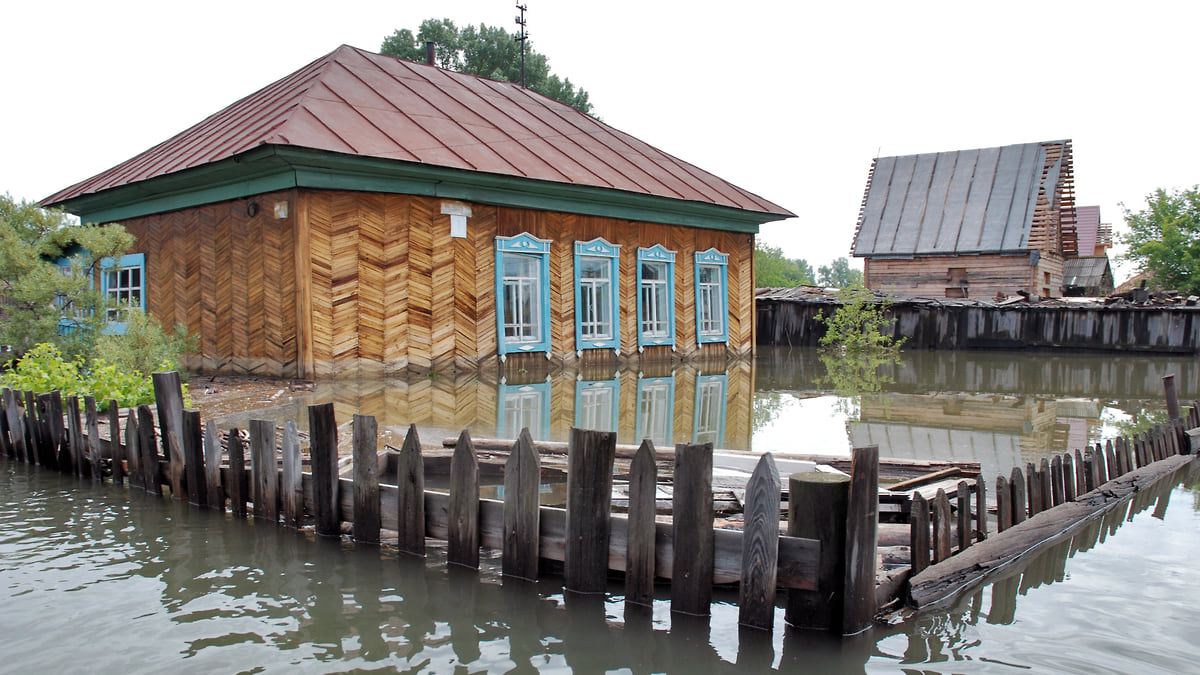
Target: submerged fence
{"points": [[825, 563]]}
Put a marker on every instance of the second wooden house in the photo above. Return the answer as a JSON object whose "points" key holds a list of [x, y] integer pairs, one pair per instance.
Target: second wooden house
{"points": [[970, 223], [370, 213]]}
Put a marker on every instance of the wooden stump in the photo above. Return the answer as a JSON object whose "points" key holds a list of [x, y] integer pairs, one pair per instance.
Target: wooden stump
{"points": [[817, 506]]}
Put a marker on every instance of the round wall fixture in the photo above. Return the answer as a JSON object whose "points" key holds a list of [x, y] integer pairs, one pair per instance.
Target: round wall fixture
{"points": [[252, 209]]}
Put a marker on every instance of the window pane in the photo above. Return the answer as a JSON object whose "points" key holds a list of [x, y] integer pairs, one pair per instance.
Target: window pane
{"points": [[522, 298]]}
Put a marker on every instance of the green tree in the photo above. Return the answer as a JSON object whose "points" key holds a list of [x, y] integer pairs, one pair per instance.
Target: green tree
{"points": [[859, 346], [839, 274], [486, 51], [1164, 238], [772, 270], [44, 302]]}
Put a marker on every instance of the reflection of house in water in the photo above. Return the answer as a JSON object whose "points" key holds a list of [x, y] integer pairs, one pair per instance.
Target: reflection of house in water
{"points": [[998, 431], [1079, 423]]}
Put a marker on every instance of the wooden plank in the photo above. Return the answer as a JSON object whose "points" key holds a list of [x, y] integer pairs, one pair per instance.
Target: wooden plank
{"points": [[264, 475], [366, 513], [168, 399], [692, 530], [410, 485], [6, 445], [463, 516], [522, 482], [33, 430], [148, 447], [193, 451], [981, 517], [963, 504], [1110, 459], [235, 476], [292, 487], [589, 499], [862, 525], [1100, 465], [760, 547], [639, 547], [323, 458], [212, 467], [1089, 472], [1004, 509], [116, 451], [1045, 484], [1069, 477], [816, 509], [58, 432], [919, 544], [1017, 484], [941, 527], [47, 449], [1033, 489], [133, 449], [74, 438]]}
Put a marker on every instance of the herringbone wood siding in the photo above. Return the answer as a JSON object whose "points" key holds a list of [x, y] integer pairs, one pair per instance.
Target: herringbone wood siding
{"points": [[389, 288]]}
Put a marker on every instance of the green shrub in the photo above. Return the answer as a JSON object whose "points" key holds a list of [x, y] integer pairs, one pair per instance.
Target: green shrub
{"points": [[144, 347], [43, 369]]}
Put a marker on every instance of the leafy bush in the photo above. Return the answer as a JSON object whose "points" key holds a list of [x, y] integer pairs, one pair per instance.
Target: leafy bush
{"points": [[44, 369], [861, 324], [144, 347]]}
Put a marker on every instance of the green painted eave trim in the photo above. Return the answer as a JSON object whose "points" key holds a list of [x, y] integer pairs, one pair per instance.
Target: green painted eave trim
{"points": [[270, 168]]}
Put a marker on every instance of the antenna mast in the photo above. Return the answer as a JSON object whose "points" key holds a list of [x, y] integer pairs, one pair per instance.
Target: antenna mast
{"points": [[521, 37]]}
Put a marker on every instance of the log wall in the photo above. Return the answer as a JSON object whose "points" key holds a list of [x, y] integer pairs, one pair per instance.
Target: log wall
{"points": [[977, 276], [353, 281]]}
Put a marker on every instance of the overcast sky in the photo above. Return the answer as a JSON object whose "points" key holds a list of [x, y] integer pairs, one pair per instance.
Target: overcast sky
{"points": [[789, 100]]}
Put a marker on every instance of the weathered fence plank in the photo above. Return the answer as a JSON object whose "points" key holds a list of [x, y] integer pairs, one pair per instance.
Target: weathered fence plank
{"points": [[212, 467], [168, 400], [522, 508], [760, 547], [963, 505], [817, 506], [74, 436], [589, 500], [1069, 477], [33, 428], [93, 436], [918, 536], [292, 487], [58, 430], [862, 527], [1017, 483], [133, 450], [1044, 484], [114, 443], [1110, 460], [463, 511], [1004, 507], [639, 547], [941, 527], [265, 492], [366, 479], [148, 446], [1033, 489], [193, 452], [692, 529], [981, 511], [6, 444], [410, 485], [235, 477], [1058, 489], [48, 446], [322, 429]]}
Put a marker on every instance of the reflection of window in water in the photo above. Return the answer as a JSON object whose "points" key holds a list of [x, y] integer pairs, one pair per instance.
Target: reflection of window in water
{"points": [[709, 424], [596, 405], [656, 410], [526, 406]]}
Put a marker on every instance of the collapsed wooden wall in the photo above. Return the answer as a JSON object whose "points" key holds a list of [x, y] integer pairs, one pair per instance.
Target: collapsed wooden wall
{"points": [[354, 281]]}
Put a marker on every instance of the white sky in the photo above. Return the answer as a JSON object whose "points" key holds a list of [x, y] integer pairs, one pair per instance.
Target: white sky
{"points": [[790, 100]]}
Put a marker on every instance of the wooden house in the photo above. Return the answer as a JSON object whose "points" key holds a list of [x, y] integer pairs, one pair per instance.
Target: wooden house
{"points": [[368, 213], [970, 223]]}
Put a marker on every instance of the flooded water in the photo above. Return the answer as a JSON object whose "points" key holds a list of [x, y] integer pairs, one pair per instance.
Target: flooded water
{"points": [[109, 580], [113, 580]]}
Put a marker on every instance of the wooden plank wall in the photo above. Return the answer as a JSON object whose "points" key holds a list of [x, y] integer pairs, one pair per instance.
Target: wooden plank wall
{"points": [[389, 289], [987, 275], [229, 277]]}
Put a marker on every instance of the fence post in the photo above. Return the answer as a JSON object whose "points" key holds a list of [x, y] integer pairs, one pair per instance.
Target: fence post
{"points": [[292, 489], [133, 450], [918, 535], [463, 513], [74, 436], [262, 462], [963, 504], [168, 400], [590, 457], [114, 442], [1172, 397], [817, 505], [93, 436], [323, 448], [1004, 508], [862, 528], [235, 478], [692, 530], [981, 517], [760, 547], [410, 495], [1017, 483], [193, 450], [366, 479], [639, 544], [151, 480], [941, 527], [522, 510], [212, 467]]}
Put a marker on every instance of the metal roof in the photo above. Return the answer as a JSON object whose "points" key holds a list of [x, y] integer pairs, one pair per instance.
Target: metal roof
{"points": [[947, 203], [1087, 227], [357, 103], [1085, 272]]}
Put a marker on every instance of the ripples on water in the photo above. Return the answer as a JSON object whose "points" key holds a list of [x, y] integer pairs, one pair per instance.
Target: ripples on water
{"points": [[108, 580]]}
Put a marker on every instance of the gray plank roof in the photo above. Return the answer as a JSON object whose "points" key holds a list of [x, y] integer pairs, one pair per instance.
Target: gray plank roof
{"points": [[1085, 271], [948, 203]]}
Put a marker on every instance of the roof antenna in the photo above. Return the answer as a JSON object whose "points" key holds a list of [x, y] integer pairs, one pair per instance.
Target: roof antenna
{"points": [[521, 37]]}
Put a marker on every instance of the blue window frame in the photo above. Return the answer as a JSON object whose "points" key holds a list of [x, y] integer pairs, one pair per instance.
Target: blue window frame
{"points": [[522, 294], [123, 283], [656, 410], [597, 308], [711, 404], [712, 296], [656, 296], [597, 404]]}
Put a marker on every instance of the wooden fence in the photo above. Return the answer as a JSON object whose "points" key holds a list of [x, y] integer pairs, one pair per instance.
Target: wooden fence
{"points": [[825, 563]]}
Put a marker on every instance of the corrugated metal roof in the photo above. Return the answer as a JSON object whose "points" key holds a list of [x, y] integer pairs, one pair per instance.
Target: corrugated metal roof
{"points": [[1087, 228], [1085, 272], [946, 203], [355, 102]]}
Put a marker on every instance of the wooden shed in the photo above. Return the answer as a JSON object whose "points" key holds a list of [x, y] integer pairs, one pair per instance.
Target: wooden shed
{"points": [[368, 213], [969, 223]]}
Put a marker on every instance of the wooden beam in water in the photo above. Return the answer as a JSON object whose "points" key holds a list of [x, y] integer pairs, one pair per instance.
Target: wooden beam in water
{"points": [[692, 530], [760, 547], [366, 480], [522, 485], [639, 553]]}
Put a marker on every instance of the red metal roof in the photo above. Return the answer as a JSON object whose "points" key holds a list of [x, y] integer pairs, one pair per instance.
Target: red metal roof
{"points": [[1087, 227], [359, 103]]}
